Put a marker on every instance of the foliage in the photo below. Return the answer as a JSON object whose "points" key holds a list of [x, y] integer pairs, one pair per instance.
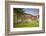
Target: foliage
{"points": [[18, 10]]}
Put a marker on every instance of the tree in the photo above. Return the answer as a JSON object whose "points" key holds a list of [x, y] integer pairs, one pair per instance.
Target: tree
{"points": [[18, 12]]}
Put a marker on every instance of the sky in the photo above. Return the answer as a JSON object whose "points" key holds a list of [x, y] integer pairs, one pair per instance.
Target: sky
{"points": [[32, 11]]}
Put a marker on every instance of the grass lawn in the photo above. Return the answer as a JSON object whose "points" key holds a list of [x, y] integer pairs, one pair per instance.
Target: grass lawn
{"points": [[29, 24]]}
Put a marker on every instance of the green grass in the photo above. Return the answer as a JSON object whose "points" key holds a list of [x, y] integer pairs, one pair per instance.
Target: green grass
{"points": [[34, 23]]}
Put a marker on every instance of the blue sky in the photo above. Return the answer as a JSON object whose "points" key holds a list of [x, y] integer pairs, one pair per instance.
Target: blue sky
{"points": [[32, 11]]}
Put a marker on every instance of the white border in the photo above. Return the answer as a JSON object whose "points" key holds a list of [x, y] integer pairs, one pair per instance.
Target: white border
{"points": [[25, 29]]}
